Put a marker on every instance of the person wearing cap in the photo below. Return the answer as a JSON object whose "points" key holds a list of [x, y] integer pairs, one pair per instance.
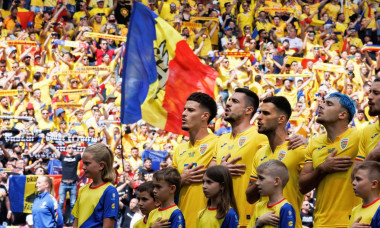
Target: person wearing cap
{"points": [[289, 92], [81, 13], [101, 9], [228, 38], [78, 124]]}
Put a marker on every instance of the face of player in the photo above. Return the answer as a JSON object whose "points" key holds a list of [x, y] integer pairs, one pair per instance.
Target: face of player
{"points": [[162, 190], [362, 185], [70, 150], [90, 167], [91, 133], [42, 185], [268, 118], [191, 116], [211, 188], [374, 99], [265, 184], [235, 108], [329, 111], [146, 202]]}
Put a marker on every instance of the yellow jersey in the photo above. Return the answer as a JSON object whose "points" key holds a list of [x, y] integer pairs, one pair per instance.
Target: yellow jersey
{"points": [[206, 218], [294, 161], [370, 214], [200, 153], [335, 196], [368, 140], [172, 213], [141, 223], [281, 208], [244, 144]]}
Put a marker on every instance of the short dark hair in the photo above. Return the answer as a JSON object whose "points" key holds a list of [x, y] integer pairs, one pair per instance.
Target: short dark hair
{"points": [[147, 159], [281, 104], [205, 101], [146, 187], [251, 98], [377, 79], [169, 175]]}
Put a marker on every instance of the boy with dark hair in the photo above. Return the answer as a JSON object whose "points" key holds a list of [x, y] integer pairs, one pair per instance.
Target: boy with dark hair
{"points": [[167, 184], [147, 203]]}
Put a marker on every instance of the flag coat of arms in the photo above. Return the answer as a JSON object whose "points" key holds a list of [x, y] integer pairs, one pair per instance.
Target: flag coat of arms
{"points": [[159, 72]]}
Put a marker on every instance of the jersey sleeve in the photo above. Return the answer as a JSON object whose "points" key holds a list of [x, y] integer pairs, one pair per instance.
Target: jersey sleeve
{"points": [[309, 154], [111, 203], [287, 216], [175, 156], [253, 175], [231, 220], [176, 219], [376, 219], [361, 153], [56, 212]]}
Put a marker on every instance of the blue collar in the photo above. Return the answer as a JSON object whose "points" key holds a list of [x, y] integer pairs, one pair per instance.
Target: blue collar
{"points": [[42, 195]]}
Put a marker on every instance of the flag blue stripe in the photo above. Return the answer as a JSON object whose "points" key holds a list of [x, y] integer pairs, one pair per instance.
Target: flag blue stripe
{"points": [[16, 196], [139, 65]]}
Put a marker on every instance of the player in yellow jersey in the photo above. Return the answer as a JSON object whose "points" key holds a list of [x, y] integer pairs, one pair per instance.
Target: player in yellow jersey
{"points": [[329, 162], [236, 149], [191, 158], [369, 147], [366, 180], [272, 120]]}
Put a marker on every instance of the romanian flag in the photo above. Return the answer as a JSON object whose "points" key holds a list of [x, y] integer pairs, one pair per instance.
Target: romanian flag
{"points": [[159, 72], [23, 191], [370, 48]]}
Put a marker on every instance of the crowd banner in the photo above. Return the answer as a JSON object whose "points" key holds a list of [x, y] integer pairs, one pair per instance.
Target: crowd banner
{"points": [[6, 170], [236, 54], [329, 67], [21, 42], [192, 25], [71, 139], [67, 105], [68, 43], [28, 118], [159, 72], [71, 72], [81, 92], [11, 92], [286, 75], [104, 36], [278, 10], [23, 191], [156, 156], [204, 19]]}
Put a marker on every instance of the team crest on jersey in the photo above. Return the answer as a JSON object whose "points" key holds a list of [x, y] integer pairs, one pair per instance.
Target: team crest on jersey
{"points": [[203, 148], [182, 153], [281, 155], [242, 140], [343, 143]]}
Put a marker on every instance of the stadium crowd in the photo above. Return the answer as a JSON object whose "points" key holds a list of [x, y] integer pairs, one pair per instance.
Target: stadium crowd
{"points": [[60, 92]]}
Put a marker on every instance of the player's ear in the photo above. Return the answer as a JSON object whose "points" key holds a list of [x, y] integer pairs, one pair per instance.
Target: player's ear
{"points": [[101, 165], [205, 116], [282, 118], [249, 109]]}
